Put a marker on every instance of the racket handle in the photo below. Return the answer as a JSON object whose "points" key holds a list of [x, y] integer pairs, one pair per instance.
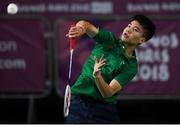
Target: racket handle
{"points": [[72, 43]]}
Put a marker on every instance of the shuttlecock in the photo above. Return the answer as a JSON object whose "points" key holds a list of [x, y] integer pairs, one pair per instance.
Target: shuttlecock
{"points": [[12, 8]]}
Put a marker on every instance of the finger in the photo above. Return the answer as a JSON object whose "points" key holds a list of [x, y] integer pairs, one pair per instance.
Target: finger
{"points": [[73, 28], [101, 57], [101, 65], [95, 59], [73, 32], [102, 61], [72, 36], [79, 30], [97, 70], [67, 35]]}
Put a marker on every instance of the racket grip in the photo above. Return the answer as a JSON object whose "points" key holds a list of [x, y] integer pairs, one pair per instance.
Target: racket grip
{"points": [[72, 43], [72, 40]]}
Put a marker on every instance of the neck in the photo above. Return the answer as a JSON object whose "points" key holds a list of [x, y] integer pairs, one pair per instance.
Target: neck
{"points": [[129, 50]]}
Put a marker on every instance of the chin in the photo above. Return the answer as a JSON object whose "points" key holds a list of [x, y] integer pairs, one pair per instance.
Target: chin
{"points": [[124, 40]]}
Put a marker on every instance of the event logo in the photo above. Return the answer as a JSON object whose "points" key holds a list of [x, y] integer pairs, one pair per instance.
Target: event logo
{"points": [[154, 58]]}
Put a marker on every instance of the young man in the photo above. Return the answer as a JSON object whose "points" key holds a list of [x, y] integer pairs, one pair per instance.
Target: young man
{"points": [[110, 66]]}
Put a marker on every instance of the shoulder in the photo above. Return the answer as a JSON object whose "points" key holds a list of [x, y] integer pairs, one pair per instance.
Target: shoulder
{"points": [[105, 34]]}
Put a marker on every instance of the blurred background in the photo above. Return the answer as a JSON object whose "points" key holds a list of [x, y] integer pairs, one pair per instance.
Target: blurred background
{"points": [[34, 58]]}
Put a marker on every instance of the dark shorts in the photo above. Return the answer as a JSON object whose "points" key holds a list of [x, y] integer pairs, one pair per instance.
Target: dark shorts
{"points": [[84, 109]]}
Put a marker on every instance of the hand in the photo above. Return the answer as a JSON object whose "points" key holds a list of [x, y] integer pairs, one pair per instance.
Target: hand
{"points": [[75, 31], [98, 65]]}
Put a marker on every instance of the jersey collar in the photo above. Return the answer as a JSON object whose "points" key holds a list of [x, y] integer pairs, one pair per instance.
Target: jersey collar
{"points": [[122, 51]]}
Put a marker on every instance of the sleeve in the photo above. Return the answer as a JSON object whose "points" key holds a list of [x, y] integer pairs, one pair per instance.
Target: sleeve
{"points": [[127, 74], [104, 36]]}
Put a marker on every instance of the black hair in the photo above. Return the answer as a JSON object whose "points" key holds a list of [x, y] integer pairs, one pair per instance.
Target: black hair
{"points": [[147, 24]]}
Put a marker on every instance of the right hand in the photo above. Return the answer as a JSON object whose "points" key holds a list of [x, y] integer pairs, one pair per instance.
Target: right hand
{"points": [[75, 31], [98, 65]]}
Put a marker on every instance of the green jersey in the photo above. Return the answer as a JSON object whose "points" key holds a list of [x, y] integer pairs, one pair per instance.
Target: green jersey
{"points": [[118, 66]]}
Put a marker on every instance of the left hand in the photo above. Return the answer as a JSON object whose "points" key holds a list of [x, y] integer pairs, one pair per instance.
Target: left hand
{"points": [[98, 65]]}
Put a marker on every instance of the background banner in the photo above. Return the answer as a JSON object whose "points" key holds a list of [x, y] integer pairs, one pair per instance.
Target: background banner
{"points": [[23, 56], [57, 8]]}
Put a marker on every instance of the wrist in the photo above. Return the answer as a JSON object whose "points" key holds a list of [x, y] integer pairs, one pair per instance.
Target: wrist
{"points": [[97, 75]]}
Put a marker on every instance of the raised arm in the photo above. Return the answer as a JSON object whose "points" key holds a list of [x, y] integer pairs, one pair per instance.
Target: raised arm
{"points": [[82, 27]]}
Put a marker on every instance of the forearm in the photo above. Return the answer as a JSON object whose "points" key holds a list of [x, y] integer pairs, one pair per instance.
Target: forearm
{"points": [[103, 87], [87, 28], [106, 90]]}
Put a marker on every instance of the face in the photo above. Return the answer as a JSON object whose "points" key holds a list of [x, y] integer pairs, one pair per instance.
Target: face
{"points": [[133, 34]]}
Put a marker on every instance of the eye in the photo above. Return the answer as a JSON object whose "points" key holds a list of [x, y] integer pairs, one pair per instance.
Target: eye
{"points": [[136, 29]]}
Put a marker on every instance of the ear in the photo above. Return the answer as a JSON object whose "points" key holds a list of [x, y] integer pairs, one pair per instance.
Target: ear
{"points": [[142, 40]]}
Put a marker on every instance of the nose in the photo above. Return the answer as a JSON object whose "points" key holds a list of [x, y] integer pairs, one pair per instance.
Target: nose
{"points": [[128, 30]]}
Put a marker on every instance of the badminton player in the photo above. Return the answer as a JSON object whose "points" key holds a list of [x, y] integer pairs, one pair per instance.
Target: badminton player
{"points": [[110, 66]]}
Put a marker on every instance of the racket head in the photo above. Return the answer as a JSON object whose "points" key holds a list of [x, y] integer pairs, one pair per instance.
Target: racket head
{"points": [[67, 100]]}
